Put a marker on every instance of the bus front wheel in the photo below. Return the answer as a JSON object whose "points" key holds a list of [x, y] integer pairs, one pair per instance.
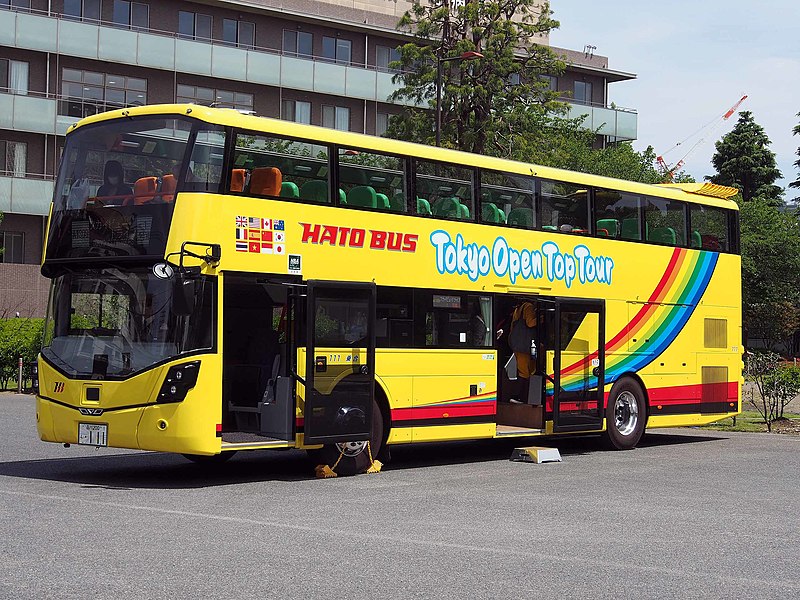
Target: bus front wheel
{"points": [[626, 415], [355, 456]]}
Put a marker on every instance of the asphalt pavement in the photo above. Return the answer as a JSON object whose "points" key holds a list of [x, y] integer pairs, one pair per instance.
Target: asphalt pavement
{"points": [[688, 514]]}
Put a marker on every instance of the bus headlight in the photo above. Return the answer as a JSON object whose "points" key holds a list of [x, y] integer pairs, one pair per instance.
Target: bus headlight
{"points": [[179, 380]]}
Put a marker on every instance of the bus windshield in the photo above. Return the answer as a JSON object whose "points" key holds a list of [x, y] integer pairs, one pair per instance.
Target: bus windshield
{"points": [[113, 323], [118, 181]]}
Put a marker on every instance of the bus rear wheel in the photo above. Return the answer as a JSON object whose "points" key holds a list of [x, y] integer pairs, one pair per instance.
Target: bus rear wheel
{"points": [[355, 456], [626, 415]]}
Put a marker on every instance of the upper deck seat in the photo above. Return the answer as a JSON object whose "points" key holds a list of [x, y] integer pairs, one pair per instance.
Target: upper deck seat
{"points": [[663, 235], [238, 178], [608, 227], [491, 214], [315, 190], [364, 196], [423, 207], [168, 186], [144, 190], [266, 181], [447, 207], [521, 217], [382, 201]]}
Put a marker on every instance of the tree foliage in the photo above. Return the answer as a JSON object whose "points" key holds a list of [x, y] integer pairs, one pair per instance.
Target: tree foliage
{"points": [[18, 337], [777, 384], [796, 182], [485, 102], [770, 243], [743, 160]]}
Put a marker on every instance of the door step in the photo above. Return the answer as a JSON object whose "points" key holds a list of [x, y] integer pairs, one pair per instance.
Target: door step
{"points": [[243, 440], [536, 454], [513, 431]]}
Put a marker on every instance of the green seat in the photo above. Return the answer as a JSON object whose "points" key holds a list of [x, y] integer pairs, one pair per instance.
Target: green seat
{"points": [[315, 190], [289, 189], [630, 229], [398, 203], [490, 213], [549, 228], [608, 227], [521, 217], [363, 196], [663, 235], [463, 212], [697, 239], [424, 207], [383, 202], [447, 207], [342, 197]]}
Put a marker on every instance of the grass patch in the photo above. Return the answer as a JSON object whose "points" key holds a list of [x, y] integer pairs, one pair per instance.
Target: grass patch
{"points": [[748, 420]]}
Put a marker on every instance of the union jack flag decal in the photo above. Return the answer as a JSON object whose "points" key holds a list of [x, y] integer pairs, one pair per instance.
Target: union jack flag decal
{"points": [[241, 221]]}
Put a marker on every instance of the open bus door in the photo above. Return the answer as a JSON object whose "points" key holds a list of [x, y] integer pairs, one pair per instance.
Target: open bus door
{"points": [[340, 362], [578, 365]]}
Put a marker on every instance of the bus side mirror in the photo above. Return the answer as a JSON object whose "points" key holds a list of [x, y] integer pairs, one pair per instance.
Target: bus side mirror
{"points": [[183, 294]]}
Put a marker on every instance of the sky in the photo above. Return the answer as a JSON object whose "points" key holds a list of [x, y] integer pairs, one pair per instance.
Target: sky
{"points": [[694, 60]]}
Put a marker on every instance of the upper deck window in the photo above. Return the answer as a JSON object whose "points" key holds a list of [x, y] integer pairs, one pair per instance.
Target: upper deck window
{"points": [[565, 207], [445, 191], [507, 198], [371, 180], [118, 181], [709, 228], [280, 168], [619, 214]]}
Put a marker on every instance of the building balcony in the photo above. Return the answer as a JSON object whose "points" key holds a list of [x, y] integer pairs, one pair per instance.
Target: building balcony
{"points": [[29, 195], [168, 52], [618, 124]]}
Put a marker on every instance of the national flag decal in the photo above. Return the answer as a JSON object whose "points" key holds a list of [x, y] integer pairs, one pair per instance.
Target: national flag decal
{"points": [[259, 235]]}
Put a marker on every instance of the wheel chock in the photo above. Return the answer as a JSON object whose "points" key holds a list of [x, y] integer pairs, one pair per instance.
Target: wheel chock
{"points": [[324, 472], [375, 467], [536, 454]]}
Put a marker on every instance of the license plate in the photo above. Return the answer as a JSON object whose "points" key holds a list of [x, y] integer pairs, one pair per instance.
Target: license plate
{"points": [[92, 434]]}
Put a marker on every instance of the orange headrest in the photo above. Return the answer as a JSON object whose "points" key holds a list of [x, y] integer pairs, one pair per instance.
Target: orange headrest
{"points": [[144, 190], [266, 181], [237, 179]]}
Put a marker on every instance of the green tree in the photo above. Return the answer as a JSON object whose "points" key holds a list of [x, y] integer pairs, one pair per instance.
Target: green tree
{"points": [[770, 240], [486, 103], [743, 160], [796, 182]]}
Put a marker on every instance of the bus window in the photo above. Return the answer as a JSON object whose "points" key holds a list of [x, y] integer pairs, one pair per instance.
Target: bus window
{"points": [[280, 168], [371, 180], [708, 228], [453, 320], [394, 327], [565, 207], [446, 191], [618, 214], [665, 221], [204, 172], [508, 199]]}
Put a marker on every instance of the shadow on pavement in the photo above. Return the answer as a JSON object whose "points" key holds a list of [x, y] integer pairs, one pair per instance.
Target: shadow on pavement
{"points": [[167, 471]]}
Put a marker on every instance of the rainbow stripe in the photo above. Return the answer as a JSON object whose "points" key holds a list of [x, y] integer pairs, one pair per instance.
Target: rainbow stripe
{"points": [[656, 325]]}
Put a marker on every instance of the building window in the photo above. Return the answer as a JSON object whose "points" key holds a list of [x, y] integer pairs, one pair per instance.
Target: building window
{"points": [[88, 93], [14, 158], [583, 92], [193, 94], [382, 123], [551, 81], [239, 33], [336, 49], [135, 15], [16, 4], [298, 43], [385, 56], [85, 10], [14, 76], [297, 111], [336, 117], [194, 26], [13, 245]]}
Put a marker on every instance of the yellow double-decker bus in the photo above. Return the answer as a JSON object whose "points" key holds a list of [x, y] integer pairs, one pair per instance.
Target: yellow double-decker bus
{"points": [[226, 282]]}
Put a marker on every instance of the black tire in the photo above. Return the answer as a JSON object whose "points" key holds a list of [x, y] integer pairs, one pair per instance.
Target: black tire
{"points": [[626, 415], [214, 459], [356, 463]]}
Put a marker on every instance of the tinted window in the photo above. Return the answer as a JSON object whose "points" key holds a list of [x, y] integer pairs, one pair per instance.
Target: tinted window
{"points": [[371, 180], [275, 167], [709, 228], [508, 199], [618, 214], [665, 221], [452, 320], [444, 191], [565, 207]]}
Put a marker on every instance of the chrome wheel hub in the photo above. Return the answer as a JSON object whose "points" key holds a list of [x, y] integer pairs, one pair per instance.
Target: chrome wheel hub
{"points": [[626, 413], [351, 449]]}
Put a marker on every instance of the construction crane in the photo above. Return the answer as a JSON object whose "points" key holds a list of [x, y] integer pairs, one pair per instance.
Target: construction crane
{"points": [[704, 131]]}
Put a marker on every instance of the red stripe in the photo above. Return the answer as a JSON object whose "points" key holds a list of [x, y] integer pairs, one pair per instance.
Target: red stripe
{"points": [[473, 409]]}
